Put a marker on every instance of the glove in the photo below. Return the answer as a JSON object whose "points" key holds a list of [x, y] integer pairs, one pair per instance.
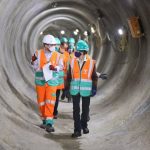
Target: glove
{"points": [[51, 67], [103, 76], [34, 58], [94, 91]]}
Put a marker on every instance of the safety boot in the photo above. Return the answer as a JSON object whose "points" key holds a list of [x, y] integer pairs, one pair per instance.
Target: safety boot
{"points": [[50, 128], [76, 134], [85, 130], [43, 125], [69, 99]]}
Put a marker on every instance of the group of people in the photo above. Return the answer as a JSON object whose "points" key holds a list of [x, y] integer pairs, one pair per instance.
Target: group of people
{"points": [[73, 72]]}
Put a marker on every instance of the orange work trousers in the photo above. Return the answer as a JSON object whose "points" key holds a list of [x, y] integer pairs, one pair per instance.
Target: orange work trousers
{"points": [[46, 97]]}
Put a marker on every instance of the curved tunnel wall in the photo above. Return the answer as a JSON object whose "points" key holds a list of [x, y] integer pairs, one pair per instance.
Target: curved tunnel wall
{"points": [[121, 108]]}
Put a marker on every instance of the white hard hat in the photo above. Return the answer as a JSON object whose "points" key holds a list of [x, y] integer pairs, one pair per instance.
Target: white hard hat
{"points": [[49, 39]]}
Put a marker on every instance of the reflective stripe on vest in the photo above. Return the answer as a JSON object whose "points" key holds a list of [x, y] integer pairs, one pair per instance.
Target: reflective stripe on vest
{"points": [[39, 78], [58, 58], [81, 79], [38, 56], [72, 65]]}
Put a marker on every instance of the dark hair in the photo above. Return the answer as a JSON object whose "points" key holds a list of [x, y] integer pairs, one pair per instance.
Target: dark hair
{"points": [[84, 52], [62, 44]]}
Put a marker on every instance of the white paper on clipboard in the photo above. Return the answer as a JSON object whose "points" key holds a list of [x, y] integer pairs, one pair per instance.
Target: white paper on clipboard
{"points": [[48, 74]]}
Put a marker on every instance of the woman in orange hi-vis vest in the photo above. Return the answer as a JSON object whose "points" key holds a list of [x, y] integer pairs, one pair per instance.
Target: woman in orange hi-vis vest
{"points": [[46, 86], [83, 83]]}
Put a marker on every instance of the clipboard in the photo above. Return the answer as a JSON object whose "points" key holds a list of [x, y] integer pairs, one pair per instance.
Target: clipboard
{"points": [[48, 74]]}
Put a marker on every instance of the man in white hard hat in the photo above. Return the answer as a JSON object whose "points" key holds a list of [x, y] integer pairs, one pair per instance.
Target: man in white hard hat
{"points": [[46, 90]]}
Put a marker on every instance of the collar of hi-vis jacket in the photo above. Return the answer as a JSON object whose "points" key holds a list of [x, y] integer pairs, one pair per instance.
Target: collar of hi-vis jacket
{"points": [[81, 62], [84, 59]]}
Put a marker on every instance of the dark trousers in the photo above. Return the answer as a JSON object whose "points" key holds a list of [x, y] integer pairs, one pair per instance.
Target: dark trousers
{"points": [[56, 103], [66, 93], [63, 93], [80, 121]]}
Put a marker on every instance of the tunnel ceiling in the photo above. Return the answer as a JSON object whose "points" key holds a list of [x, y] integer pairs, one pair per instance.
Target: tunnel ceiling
{"points": [[119, 112]]}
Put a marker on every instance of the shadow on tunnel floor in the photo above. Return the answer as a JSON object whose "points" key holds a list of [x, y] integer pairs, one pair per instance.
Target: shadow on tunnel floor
{"points": [[65, 140]]}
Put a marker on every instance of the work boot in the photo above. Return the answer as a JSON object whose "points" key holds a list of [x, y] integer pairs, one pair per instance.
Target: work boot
{"points": [[43, 125], [76, 134], [85, 130], [69, 99], [50, 128]]}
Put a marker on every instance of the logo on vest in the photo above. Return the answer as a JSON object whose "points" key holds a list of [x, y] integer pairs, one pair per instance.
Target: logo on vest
{"points": [[85, 71], [53, 62]]}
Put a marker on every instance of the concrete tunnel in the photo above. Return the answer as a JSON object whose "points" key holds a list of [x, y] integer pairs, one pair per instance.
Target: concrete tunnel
{"points": [[120, 113]]}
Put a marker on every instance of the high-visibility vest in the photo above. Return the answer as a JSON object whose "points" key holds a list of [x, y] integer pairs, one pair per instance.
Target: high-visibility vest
{"points": [[88, 56], [61, 75], [39, 77], [81, 79], [66, 64], [61, 80]]}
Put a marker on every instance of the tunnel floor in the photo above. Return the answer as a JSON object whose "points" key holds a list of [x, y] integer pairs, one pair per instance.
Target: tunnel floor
{"points": [[107, 132]]}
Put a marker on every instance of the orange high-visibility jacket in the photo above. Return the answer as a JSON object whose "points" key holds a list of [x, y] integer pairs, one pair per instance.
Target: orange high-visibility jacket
{"points": [[66, 64], [81, 78], [39, 77]]}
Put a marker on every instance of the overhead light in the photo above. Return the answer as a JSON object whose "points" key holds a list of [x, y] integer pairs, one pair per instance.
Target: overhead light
{"points": [[41, 33], [120, 31], [92, 30], [62, 32], [53, 5], [85, 33], [75, 33], [77, 30]]}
